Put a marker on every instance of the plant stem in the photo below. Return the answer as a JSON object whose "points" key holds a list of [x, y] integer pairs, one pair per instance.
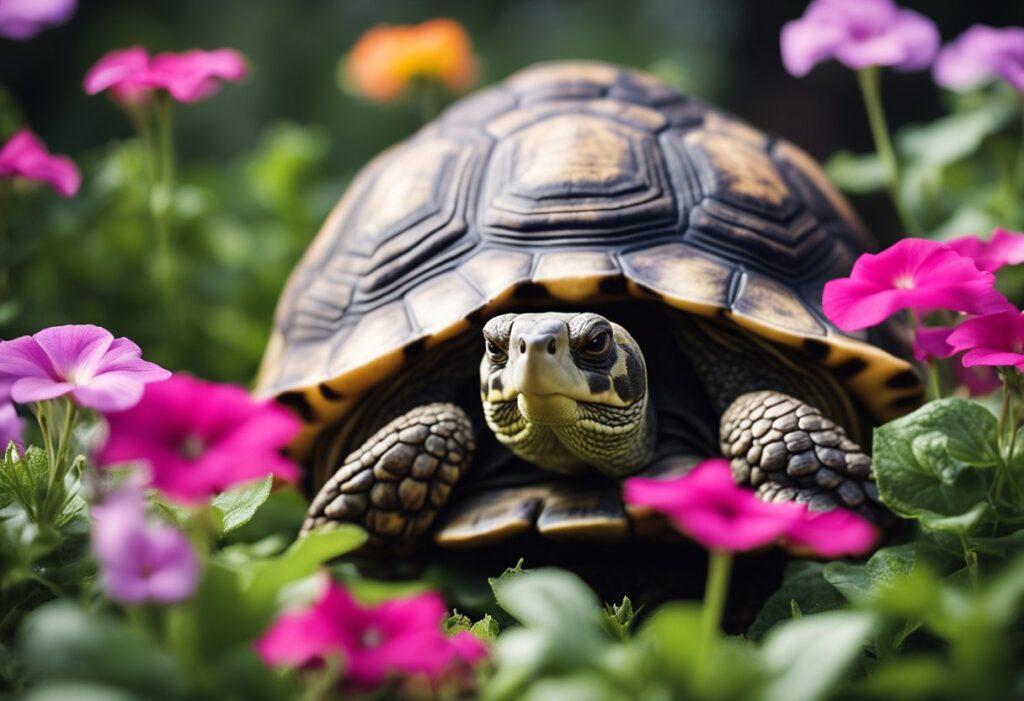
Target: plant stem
{"points": [[868, 80], [715, 592], [1018, 170], [971, 559], [162, 207]]}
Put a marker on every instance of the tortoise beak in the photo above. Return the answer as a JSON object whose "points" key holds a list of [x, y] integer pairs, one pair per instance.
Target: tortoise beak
{"points": [[542, 362]]}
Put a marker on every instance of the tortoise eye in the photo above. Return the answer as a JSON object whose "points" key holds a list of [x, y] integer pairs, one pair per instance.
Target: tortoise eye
{"points": [[599, 345], [494, 351]]}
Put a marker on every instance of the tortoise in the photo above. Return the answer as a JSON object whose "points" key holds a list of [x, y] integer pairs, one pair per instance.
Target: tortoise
{"points": [[576, 276]]}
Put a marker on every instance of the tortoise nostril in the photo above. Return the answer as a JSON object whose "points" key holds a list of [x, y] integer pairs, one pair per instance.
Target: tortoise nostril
{"points": [[522, 346], [551, 346]]}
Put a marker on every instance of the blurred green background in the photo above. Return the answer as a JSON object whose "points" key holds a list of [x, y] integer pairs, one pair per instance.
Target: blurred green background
{"points": [[261, 163]]}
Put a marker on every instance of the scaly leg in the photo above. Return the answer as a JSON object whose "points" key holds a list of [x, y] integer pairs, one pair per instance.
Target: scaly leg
{"points": [[397, 481]]}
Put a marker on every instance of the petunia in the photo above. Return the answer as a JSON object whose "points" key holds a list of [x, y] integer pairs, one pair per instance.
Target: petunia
{"points": [[993, 339], [396, 637], [131, 75], [831, 534], [98, 371], [913, 274], [25, 156], [11, 427], [981, 54], [141, 561], [932, 343], [977, 379], [387, 59], [1002, 249], [23, 19], [859, 34], [707, 505], [200, 438]]}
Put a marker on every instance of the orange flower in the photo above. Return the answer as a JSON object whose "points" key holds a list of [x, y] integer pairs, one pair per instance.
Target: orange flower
{"points": [[387, 58]]}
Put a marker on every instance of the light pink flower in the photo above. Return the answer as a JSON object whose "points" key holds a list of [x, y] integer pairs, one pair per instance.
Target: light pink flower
{"points": [[981, 54], [188, 76], [401, 636], [1002, 249], [831, 534], [993, 339], [141, 561], [859, 34], [25, 156], [11, 427], [913, 274], [707, 505], [23, 19], [200, 438], [98, 371]]}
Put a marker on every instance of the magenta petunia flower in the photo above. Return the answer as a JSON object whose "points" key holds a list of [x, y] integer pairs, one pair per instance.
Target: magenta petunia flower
{"points": [[993, 339], [23, 19], [932, 343], [401, 636], [1002, 249], [200, 438], [188, 76], [141, 561], [859, 34], [98, 371], [981, 54], [25, 156], [11, 427], [978, 379], [913, 274], [707, 505], [836, 533]]}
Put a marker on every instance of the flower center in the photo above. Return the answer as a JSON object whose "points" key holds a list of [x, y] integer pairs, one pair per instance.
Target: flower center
{"points": [[192, 447], [372, 637], [904, 282]]}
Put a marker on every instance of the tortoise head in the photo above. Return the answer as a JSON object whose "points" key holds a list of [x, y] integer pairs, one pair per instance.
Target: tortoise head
{"points": [[567, 391]]}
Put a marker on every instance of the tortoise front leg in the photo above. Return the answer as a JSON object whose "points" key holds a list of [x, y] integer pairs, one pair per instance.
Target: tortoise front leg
{"points": [[788, 450], [395, 483]]}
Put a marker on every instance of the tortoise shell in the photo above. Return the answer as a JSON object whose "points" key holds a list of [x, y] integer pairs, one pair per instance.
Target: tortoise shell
{"points": [[569, 182]]}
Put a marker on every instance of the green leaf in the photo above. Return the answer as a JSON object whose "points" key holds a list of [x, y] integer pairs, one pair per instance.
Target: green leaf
{"points": [[79, 691], [804, 589], [810, 655], [486, 629], [955, 136], [862, 584], [237, 506], [856, 174], [619, 618], [300, 560], [960, 525], [551, 600], [923, 461], [61, 642]]}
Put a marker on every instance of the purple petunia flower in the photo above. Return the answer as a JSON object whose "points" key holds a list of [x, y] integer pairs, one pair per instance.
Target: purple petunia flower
{"points": [[98, 371], [141, 561], [11, 427], [25, 156], [201, 438], [859, 34], [400, 636], [981, 54], [23, 19]]}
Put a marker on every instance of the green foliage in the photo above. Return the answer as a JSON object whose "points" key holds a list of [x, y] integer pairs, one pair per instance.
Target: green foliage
{"points": [[237, 506]]}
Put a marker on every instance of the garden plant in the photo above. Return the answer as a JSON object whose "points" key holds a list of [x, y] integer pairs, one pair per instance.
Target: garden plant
{"points": [[154, 541]]}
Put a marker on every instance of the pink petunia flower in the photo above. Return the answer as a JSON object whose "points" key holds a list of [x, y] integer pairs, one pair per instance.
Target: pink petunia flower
{"points": [[187, 77], [25, 156], [831, 534], [913, 274], [11, 427], [401, 636], [932, 343], [201, 438], [993, 339], [707, 505], [23, 19], [981, 54], [85, 361], [1002, 249], [859, 34], [141, 561], [978, 379]]}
